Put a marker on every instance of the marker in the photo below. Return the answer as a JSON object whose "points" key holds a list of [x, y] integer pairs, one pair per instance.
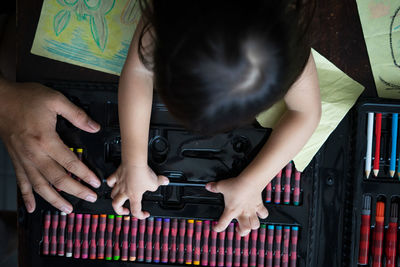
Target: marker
{"points": [[54, 226], [117, 251], [70, 231], [78, 229], [181, 242], [61, 233], [245, 256], [229, 245], [102, 229], [221, 249], [157, 231], [391, 236], [238, 239], [368, 156], [189, 246], [395, 118], [46, 232], [93, 230], [378, 128], [110, 228], [296, 191], [85, 237], [79, 153], [125, 235], [286, 240], [197, 242], [364, 231], [293, 246], [278, 189], [261, 245], [377, 241], [164, 245], [253, 249], [206, 234], [268, 193], [149, 244], [132, 248], [278, 243], [270, 245], [213, 246], [174, 231], [286, 188], [142, 230]]}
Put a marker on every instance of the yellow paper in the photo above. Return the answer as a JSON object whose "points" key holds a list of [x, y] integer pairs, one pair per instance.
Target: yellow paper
{"points": [[380, 20], [91, 33], [338, 94]]}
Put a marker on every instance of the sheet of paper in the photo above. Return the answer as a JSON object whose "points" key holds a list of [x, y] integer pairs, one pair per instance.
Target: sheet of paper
{"points": [[380, 20], [91, 33], [338, 94]]}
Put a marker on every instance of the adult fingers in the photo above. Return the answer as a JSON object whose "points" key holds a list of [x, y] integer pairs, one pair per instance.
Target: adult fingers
{"points": [[136, 209], [244, 225], [162, 180], [224, 220], [213, 187], [112, 179], [254, 222], [118, 203], [262, 212]]}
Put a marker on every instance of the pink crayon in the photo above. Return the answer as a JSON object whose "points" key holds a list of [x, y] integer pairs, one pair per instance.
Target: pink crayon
{"points": [[93, 230], [296, 191], [189, 246], [213, 247], [278, 188], [286, 240], [268, 193], [149, 244], [181, 245], [270, 244], [61, 233], [117, 232], [286, 189], [221, 249], [293, 247], [125, 235], [245, 256], [238, 239], [174, 231], [164, 245], [278, 243], [77, 243], [157, 231], [46, 233], [229, 245], [132, 248], [53, 240], [110, 228], [85, 236], [142, 230], [261, 246], [197, 242], [206, 234], [253, 250], [102, 230], [70, 232]]}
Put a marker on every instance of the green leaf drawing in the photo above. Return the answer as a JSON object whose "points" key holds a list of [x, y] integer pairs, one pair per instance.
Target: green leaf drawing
{"points": [[99, 28], [61, 21]]}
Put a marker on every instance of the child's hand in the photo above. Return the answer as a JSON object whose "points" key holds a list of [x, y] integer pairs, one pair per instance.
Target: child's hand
{"points": [[130, 182], [242, 201]]}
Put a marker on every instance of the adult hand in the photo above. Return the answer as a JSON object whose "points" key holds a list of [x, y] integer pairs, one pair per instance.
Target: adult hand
{"points": [[28, 117]]}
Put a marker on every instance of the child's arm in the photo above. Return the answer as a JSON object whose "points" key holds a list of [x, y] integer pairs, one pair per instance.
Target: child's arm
{"points": [[242, 194], [135, 94]]}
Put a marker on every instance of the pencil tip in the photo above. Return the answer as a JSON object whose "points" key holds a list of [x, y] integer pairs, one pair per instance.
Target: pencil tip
{"points": [[367, 174], [376, 173], [391, 174]]}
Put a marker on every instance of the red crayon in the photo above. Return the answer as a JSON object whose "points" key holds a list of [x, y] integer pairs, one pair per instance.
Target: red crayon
{"points": [[286, 241], [85, 237], [110, 228], [377, 241], [270, 245], [197, 242], [296, 191], [238, 239], [278, 189], [132, 248], [268, 193], [261, 246], [70, 231], [78, 229], [61, 233], [206, 234], [286, 188], [125, 233], [221, 249], [253, 250], [174, 231], [189, 244], [181, 242], [278, 243], [149, 244], [391, 236], [293, 246], [46, 232], [229, 245], [93, 230], [157, 231], [364, 231], [118, 224], [378, 128], [213, 247], [53, 240], [79, 152], [164, 245], [102, 230], [245, 256], [142, 230]]}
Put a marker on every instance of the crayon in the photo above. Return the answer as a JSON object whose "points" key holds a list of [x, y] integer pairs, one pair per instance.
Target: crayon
{"points": [[46, 233], [391, 236], [54, 226], [125, 235], [102, 229], [268, 193], [261, 245], [197, 242], [278, 189], [237, 257], [79, 153], [181, 242], [157, 231], [174, 231], [221, 248], [206, 234], [85, 236], [70, 232], [296, 191], [286, 241], [78, 229], [213, 247], [118, 224], [368, 155], [270, 244], [164, 245], [293, 246], [149, 244], [378, 129], [392, 168], [364, 231], [245, 255], [253, 248], [132, 247], [377, 240], [142, 231], [109, 234], [189, 246], [286, 188], [229, 244], [61, 233], [93, 230], [278, 243]]}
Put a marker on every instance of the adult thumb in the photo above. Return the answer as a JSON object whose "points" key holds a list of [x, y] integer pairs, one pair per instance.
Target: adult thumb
{"points": [[212, 187]]}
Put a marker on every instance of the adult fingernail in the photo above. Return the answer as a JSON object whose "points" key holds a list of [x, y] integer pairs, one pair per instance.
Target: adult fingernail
{"points": [[90, 198], [94, 183], [28, 207], [66, 209], [94, 126], [166, 182]]}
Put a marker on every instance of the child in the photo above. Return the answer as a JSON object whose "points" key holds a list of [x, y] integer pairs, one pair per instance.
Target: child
{"points": [[216, 65]]}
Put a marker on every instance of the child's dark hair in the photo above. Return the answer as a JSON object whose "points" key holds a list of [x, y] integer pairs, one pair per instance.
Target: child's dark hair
{"points": [[217, 64]]}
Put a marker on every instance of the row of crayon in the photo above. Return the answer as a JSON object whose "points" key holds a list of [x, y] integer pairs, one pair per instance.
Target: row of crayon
{"points": [[384, 245], [164, 240], [392, 159], [278, 188]]}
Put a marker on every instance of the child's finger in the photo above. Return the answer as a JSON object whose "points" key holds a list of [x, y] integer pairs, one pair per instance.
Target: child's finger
{"points": [[254, 222], [212, 187], [136, 210], [262, 212], [118, 203], [162, 180], [112, 179], [224, 221], [244, 225]]}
